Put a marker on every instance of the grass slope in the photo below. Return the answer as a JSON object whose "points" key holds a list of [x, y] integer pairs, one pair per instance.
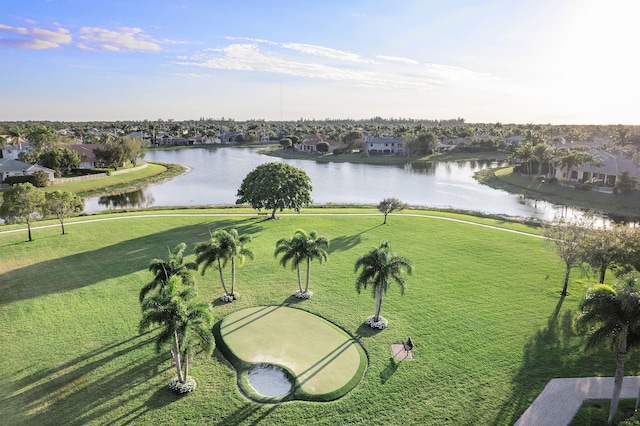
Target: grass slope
{"points": [[482, 307]]}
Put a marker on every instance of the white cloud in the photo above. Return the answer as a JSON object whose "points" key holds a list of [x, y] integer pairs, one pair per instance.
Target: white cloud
{"points": [[124, 39], [253, 40], [398, 59], [248, 57], [327, 52], [34, 37]]}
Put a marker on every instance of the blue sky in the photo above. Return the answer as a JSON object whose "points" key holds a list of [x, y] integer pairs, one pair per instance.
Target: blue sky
{"points": [[517, 61]]}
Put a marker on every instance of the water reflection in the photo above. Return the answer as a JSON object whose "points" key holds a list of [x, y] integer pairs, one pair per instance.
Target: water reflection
{"points": [[137, 199]]}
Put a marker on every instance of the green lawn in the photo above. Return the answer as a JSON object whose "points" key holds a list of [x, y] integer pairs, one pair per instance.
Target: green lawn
{"points": [[482, 307]]}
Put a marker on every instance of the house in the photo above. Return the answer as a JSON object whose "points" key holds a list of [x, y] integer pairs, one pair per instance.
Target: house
{"points": [[203, 140], [310, 143], [87, 155], [13, 151], [607, 170], [385, 145], [230, 137], [515, 140], [443, 148], [12, 167]]}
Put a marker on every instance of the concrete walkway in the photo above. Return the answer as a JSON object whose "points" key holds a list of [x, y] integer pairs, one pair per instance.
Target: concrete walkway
{"points": [[560, 400]]}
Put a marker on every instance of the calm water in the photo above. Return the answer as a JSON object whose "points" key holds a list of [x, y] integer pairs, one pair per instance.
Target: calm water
{"points": [[216, 174]]}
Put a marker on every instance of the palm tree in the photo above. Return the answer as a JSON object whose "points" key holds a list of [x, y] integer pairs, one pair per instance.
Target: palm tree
{"points": [[612, 316], [379, 267], [220, 249], [299, 248], [233, 244], [163, 270], [183, 322]]}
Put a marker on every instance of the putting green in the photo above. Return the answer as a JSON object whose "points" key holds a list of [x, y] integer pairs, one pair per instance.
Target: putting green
{"points": [[324, 361]]}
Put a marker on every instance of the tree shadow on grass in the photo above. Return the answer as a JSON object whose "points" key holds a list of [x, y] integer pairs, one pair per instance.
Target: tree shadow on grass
{"points": [[292, 301], [89, 387], [346, 242], [123, 258], [552, 352], [365, 331], [389, 370]]}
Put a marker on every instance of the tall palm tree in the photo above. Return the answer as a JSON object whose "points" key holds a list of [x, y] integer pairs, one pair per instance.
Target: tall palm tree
{"points": [[163, 270], [184, 322], [300, 248], [222, 248], [234, 245], [612, 316], [380, 267]]}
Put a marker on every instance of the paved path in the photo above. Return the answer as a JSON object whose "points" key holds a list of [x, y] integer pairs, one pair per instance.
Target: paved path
{"points": [[561, 398]]}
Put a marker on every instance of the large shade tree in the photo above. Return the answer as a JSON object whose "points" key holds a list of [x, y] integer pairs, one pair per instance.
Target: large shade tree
{"points": [[184, 323], [612, 317], [62, 204], [22, 203], [302, 247], [163, 270], [567, 237], [224, 247], [275, 186], [378, 269]]}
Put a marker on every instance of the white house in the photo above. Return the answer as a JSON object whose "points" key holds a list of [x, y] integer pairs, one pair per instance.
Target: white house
{"points": [[12, 167], [310, 142], [610, 167], [203, 140], [385, 145], [13, 151], [88, 158]]}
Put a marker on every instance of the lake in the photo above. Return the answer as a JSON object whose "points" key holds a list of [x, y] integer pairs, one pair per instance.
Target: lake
{"points": [[215, 174]]}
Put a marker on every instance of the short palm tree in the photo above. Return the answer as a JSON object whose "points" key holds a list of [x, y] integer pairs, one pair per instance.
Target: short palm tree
{"points": [[184, 322], [163, 270], [302, 247], [224, 247], [612, 316], [380, 267]]}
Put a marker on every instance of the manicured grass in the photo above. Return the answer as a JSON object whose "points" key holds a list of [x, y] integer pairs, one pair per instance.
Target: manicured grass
{"points": [[154, 172], [482, 307], [325, 362], [598, 410]]}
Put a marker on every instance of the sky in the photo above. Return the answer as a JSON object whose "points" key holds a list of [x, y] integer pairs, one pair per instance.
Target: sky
{"points": [[487, 61]]}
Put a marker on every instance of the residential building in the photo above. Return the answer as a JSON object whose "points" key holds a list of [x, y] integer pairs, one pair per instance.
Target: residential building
{"points": [[385, 145], [12, 167], [310, 142]]}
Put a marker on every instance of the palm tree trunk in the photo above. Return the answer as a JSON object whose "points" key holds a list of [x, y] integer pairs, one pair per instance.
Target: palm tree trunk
{"points": [[224, 287], [376, 318], [306, 287], [176, 354], [617, 383], [186, 366], [233, 275], [299, 280]]}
